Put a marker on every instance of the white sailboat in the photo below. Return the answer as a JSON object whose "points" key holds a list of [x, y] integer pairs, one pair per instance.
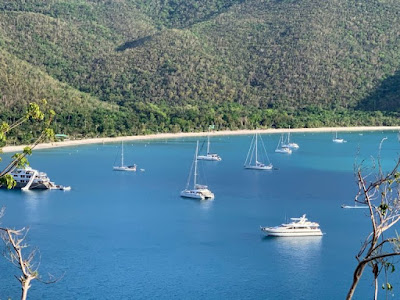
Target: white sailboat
{"points": [[282, 148], [338, 140], [122, 167], [198, 191], [289, 144], [209, 156], [252, 159]]}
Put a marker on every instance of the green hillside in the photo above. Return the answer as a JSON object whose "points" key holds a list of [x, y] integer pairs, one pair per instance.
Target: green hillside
{"points": [[179, 65]]}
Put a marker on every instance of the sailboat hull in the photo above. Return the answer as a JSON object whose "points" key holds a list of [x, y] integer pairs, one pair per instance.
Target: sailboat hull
{"points": [[291, 146], [283, 151], [269, 167], [339, 141], [212, 157], [123, 168]]}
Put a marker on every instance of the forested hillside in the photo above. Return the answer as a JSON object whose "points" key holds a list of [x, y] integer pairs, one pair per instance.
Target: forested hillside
{"points": [[136, 66]]}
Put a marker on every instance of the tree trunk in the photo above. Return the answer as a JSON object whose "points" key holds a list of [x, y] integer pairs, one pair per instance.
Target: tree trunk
{"points": [[356, 278], [25, 287]]}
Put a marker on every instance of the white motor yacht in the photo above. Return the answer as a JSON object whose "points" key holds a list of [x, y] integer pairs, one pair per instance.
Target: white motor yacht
{"points": [[29, 179], [298, 227]]}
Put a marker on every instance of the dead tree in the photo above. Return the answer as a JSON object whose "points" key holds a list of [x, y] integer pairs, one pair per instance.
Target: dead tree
{"points": [[380, 193], [15, 243]]}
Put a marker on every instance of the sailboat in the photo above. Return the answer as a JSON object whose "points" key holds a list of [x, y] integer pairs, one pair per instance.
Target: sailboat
{"points": [[282, 148], [122, 167], [209, 156], [289, 144], [198, 191], [338, 140], [252, 159]]}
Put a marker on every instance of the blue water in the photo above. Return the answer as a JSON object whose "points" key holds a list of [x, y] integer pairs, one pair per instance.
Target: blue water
{"points": [[121, 235]]}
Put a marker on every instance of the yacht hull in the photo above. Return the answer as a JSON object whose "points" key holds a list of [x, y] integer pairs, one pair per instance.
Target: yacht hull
{"points": [[274, 232], [34, 186]]}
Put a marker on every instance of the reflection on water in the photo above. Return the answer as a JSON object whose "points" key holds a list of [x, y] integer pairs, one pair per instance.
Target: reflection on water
{"points": [[304, 251], [206, 204], [33, 200]]}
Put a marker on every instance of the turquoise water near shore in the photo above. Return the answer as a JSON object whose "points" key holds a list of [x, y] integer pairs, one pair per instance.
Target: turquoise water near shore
{"points": [[122, 235]]}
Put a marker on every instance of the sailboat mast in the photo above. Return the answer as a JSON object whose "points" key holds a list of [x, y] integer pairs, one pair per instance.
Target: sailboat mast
{"points": [[256, 149], [288, 136], [122, 154], [195, 166], [208, 144]]}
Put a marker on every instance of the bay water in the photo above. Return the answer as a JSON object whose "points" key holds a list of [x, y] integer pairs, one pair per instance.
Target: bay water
{"points": [[124, 235]]}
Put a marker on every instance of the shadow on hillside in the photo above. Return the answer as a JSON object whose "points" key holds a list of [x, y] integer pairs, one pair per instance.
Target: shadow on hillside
{"points": [[385, 97], [133, 44]]}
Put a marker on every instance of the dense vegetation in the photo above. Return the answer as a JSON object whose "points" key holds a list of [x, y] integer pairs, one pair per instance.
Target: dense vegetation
{"points": [[135, 66]]}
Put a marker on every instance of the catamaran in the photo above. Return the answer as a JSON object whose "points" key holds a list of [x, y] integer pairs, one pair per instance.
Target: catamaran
{"points": [[253, 156], [209, 156], [289, 144], [298, 227], [338, 140], [282, 148], [198, 191], [122, 167]]}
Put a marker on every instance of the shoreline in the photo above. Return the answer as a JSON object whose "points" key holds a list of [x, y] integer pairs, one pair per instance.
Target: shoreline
{"points": [[158, 136]]}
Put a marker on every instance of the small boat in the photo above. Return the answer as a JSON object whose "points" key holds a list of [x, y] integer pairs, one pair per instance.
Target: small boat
{"points": [[122, 167], [288, 144], [353, 206], [253, 156], [298, 227], [338, 140], [30, 179], [209, 156], [356, 205], [282, 148], [198, 191]]}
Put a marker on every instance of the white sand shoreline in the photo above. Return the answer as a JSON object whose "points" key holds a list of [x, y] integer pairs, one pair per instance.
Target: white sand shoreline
{"points": [[194, 134]]}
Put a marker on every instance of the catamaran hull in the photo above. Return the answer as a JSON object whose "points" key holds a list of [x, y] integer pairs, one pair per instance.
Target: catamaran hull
{"points": [[274, 232], [186, 194]]}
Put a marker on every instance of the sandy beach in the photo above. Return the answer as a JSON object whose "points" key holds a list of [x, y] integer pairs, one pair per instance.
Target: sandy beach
{"points": [[102, 140]]}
